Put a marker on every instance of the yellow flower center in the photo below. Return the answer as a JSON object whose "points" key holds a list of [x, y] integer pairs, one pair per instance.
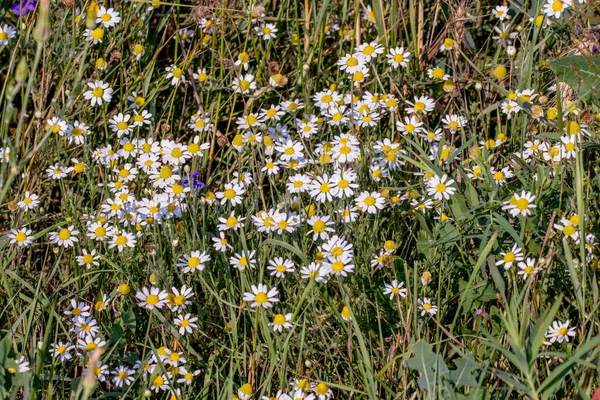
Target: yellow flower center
{"points": [[64, 234], [261, 297]]}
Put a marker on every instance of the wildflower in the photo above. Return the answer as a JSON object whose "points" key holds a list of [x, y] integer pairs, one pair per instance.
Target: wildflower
{"points": [[262, 296], [370, 202], [569, 229], [122, 240], [339, 266], [410, 125], [520, 204], [501, 12], [99, 92], [279, 267], [200, 75], [107, 17], [243, 261], [398, 57], [555, 8], [351, 63], [427, 307], [88, 259], [175, 74], [511, 257], [221, 243], [369, 50], [153, 298], [23, 7], [281, 321], [266, 31], [21, 237], [560, 332], [314, 271], [245, 391], [65, 237], [94, 35], [101, 304], [528, 268], [244, 84], [185, 323], [122, 376], [7, 32], [454, 122], [440, 188], [447, 44], [78, 309], [195, 261], [426, 278], [62, 351], [395, 289]]}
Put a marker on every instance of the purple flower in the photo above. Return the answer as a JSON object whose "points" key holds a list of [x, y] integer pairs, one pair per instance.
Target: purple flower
{"points": [[23, 7], [193, 181]]}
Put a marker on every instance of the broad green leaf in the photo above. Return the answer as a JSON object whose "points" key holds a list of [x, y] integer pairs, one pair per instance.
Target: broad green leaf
{"points": [[465, 372], [582, 73], [431, 366]]}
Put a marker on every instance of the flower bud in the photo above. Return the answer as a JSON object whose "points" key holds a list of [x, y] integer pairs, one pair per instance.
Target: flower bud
{"points": [[22, 71]]}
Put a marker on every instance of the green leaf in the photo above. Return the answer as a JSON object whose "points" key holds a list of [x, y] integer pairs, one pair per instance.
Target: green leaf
{"points": [[430, 365], [129, 319], [289, 247], [115, 332], [464, 375], [553, 381], [582, 73]]}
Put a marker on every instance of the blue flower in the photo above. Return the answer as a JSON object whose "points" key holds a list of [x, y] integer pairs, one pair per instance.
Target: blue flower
{"points": [[23, 7]]}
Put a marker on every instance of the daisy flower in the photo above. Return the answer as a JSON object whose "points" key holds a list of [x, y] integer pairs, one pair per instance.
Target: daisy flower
{"points": [[62, 351], [185, 323], [107, 17], [427, 307], [122, 376], [520, 204], [369, 51], [511, 257], [175, 74], [395, 289], [29, 201], [262, 296], [423, 105], [351, 63], [243, 261], [7, 32], [152, 298], [501, 12], [370, 202], [65, 237], [397, 57], [321, 226], [221, 243], [440, 188], [281, 322], [279, 267], [555, 8], [266, 31], [21, 237], [122, 240], [560, 332], [99, 92], [568, 229], [195, 261], [88, 259], [527, 268], [243, 84]]}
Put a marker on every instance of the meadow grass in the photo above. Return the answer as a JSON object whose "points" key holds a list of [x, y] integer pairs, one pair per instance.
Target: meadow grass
{"points": [[294, 199]]}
